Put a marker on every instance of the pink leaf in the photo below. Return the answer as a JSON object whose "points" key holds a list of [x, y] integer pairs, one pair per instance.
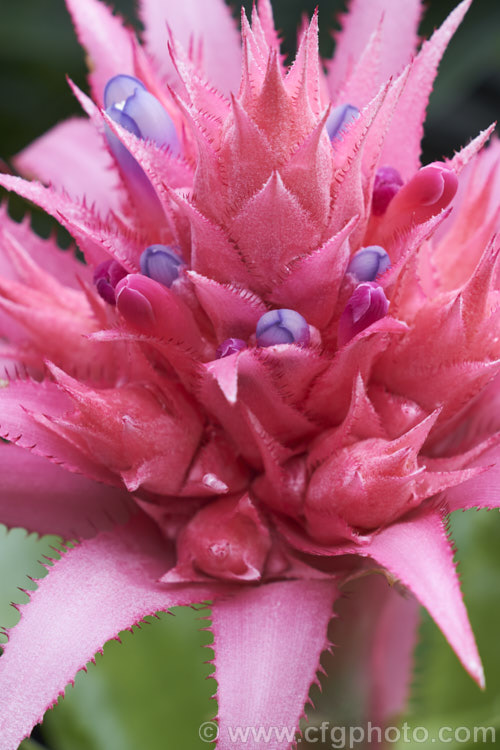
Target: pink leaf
{"points": [[402, 148], [482, 491], [233, 311], [97, 589], [399, 24], [255, 635], [72, 157], [40, 496], [418, 553], [211, 26], [74, 216], [108, 43], [22, 423], [374, 634], [313, 281], [45, 252]]}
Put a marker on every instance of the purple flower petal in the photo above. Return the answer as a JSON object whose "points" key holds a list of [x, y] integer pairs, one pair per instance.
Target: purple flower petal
{"points": [[282, 327], [339, 118], [388, 182], [366, 305], [229, 347], [161, 263], [152, 119], [119, 88], [368, 263], [106, 277]]}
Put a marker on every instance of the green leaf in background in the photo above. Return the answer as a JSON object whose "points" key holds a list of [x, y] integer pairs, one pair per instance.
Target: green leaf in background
{"points": [[19, 556], [148, 692]]}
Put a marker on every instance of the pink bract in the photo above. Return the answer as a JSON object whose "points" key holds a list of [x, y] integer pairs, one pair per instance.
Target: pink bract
{"points": [[264, 479]]}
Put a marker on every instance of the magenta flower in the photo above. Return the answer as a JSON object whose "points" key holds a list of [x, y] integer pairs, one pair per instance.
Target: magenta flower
{"points": [[229, 403]]}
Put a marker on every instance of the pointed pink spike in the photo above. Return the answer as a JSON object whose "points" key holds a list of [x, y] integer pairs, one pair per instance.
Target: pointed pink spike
{"points": [[225, 372], [78, 219], [399, 25], [106, 40], [402, 146], [364, 77], [265, 11], [97, 589], [375, 634], [271, 230], [304, 79], [482, 491], [233, 311], [45, 252], [259, 685], [21, 423], [40, 496], [313, 281], [417, 552], [84, 172], [466, 154], [214, 27]]}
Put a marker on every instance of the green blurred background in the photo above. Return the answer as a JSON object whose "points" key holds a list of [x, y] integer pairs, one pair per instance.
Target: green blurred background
{"points": [[149, 693]]}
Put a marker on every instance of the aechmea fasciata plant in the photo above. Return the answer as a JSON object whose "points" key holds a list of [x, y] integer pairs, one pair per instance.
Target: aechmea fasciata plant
{"points": [[278, 369]]}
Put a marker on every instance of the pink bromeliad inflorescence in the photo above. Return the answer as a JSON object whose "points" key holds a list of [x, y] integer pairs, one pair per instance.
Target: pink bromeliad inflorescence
{"points": [[278, 369]]}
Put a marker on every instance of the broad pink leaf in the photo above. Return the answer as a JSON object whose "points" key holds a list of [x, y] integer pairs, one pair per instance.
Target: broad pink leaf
{"points": [[26, 410], [72, 157], [402, 147], [418, 552], [482, 491], [399, 24], [45, 252], [233, 311], [255, 636], [107, 42], [212, 26], [40, 496], [97, 589]]}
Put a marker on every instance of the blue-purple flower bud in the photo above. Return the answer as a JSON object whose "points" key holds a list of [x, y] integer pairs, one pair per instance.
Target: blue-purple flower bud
{"points": [[387, 183], [338, 120], [282, 327], [106, 277], [230, 346], [368, 263], [161, 263], [129, 103], [365, 306]]}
